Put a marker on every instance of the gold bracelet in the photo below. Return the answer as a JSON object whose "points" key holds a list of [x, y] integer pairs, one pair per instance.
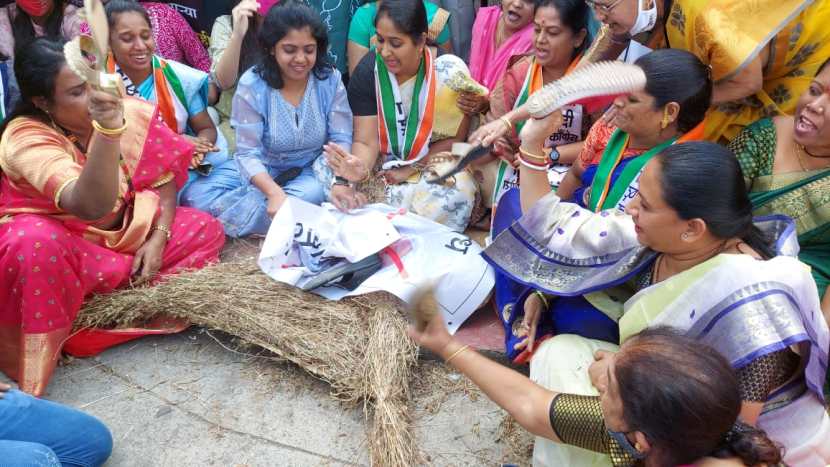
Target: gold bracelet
{"points": [[164, 229], [109, 131], [507, 122], [542, 297], [366, 177], [456, 353], [524, 152]]}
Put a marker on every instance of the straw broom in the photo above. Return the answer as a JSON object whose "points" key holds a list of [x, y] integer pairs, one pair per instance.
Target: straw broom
{"points": [[358, 345]]}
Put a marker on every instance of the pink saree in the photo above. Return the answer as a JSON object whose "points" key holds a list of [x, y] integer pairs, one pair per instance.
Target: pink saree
{"points": [[488, 64], [50, 260]]}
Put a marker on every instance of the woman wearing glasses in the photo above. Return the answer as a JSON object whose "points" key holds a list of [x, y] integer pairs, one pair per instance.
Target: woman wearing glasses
{"points": [[759, 51]]}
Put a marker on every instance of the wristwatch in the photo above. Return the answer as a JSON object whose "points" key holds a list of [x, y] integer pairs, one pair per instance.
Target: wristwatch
{"points": [[340, 181], [554, 155]]}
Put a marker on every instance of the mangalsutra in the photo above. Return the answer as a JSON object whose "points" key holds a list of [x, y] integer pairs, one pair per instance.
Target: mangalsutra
{"points": [[799, 150]]}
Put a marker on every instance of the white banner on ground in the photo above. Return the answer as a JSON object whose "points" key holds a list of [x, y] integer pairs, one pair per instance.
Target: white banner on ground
{"points": [[305, 239]]}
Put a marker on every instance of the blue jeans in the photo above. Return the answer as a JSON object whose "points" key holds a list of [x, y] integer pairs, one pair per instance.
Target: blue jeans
{"points": [[35, 432]]}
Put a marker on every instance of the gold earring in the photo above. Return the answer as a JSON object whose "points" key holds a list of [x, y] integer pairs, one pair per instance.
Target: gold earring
{"points": [[665, 123], [685, 236], [637, 447]]}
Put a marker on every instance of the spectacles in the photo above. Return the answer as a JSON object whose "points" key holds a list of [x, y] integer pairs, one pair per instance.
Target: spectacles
{"points": [[603, 8]]}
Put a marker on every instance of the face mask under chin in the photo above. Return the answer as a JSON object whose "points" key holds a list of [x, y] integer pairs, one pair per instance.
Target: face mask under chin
{"points": [[646, 18]]}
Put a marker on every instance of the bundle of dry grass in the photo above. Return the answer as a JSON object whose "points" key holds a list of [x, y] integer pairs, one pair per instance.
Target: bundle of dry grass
{"points": [[358, 345]]}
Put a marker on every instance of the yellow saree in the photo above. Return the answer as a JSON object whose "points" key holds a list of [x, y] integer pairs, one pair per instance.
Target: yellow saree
{"points": [[729, 34]]}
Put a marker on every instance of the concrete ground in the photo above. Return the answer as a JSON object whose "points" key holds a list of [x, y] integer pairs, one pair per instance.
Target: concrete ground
{"points": [[197, 399], [194, 399]]}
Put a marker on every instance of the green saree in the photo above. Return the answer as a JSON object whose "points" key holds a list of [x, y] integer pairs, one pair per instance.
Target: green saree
{"points": [[803, 196]]}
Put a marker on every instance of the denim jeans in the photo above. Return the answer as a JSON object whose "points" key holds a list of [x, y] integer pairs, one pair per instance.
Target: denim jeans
{"points": [[35, 432]]}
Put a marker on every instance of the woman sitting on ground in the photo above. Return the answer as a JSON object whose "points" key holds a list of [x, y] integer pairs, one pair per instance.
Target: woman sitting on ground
{"points": [[607, 173], [174, 38], [285, 110], [560, 36], [499, 32], [643, 414], [24, 20], [87, 205], [363, 36], [786, 166], [178, 90], [399, 119], [689, 255]]}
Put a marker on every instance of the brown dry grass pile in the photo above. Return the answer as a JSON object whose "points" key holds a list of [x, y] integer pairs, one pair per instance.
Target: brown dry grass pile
{"points": [[358, 345]]}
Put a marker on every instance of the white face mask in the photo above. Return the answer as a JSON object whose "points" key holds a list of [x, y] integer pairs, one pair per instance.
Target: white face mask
{"points": [[646, 19]]}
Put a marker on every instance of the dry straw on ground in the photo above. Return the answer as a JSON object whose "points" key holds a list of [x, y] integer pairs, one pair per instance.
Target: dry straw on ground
{"points": [[358, 345]]}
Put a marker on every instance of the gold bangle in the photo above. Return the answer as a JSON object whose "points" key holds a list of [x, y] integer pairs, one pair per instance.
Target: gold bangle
{"points": [[367, 177], [457, 353], [507, 122], [542, 297], [524, 152], [109, 131], [164, 229], [165, 179]]}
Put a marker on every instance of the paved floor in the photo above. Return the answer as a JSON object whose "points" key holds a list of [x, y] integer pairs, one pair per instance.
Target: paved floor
{"points": [[191, 399]]}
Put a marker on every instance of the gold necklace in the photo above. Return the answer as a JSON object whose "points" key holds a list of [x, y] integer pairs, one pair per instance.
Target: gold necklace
{"points": [[660, 263], [798, 150]]}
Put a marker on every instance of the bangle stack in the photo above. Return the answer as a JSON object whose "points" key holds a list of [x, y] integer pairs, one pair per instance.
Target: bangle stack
{"points": [[533, 161], [110, 133]]}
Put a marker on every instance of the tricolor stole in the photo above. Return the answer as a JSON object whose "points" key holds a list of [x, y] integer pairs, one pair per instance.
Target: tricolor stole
{"points": [[173, 111], [405, 138], [604, 195]]}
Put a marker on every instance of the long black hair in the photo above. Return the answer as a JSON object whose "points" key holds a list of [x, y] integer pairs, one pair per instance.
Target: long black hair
{"points": [[674, 75], [574, 15], [281, 19], [24, 32], [702, 180], [36, 72], [684, 396], [249, 52], [409, 17], [117, 7]]}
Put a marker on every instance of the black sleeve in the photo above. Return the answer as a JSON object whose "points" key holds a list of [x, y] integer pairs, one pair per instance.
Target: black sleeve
{"points": [[362, 88], [757, 380]]}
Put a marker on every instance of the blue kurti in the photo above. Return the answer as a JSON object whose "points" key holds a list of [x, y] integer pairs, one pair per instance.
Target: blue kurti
{"points": [[274, 137]]}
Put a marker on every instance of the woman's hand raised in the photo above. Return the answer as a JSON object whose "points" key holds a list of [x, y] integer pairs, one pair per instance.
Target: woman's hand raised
{"points": [[536, 131], [106, 109], [242, 15], [345, 164]]}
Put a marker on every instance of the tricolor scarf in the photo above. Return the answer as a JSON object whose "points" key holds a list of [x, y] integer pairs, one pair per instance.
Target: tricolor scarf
{"points": [[603, 195], [404, 138], [167, 84], [570, 131]]}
